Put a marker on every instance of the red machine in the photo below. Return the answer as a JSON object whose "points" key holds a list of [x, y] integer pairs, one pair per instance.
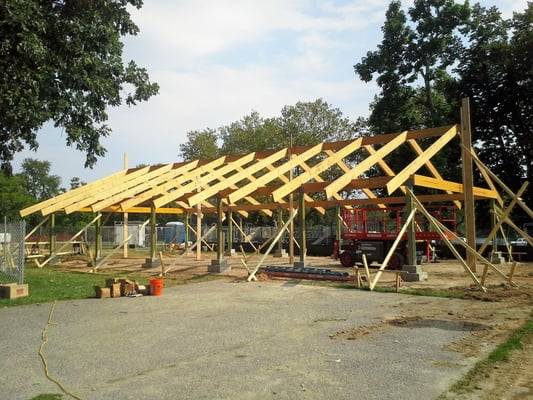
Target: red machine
{"points": [[372, 231]]}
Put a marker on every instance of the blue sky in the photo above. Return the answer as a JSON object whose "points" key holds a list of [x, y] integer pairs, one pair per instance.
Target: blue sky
{"points": [[216, 61]]}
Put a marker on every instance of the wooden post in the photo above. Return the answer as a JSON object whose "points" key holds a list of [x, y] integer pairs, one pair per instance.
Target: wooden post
{"points": [[98, 239], [411, 239], [199, 227], [338, 226], [187, 238], [303, 239], [279, 215], [125, 216], [220, 233], [153, 233], [468, 181], [52, 234], [230, 231]]}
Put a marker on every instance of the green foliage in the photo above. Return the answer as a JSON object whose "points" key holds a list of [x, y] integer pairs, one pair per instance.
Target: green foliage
{"points": [[13, 196], [62, 61], [38, 181], [305, 123], [200, 144], [495, 72]]}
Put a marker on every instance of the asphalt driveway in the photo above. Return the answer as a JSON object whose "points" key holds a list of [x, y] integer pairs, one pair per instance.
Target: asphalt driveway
{"points": [[236, 340]]}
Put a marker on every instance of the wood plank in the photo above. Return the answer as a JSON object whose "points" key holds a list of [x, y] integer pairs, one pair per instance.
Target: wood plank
{"points": [[429, 165], [103, 191], [57, 202], [159, 189], [367, 163], [316, 170], [245, 174], [132, 188], [417, 163], [195, 177], [451, 187], [272, 175]]}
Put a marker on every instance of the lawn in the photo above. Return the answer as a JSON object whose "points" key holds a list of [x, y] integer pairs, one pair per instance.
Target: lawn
{"points": [[52, 283]]}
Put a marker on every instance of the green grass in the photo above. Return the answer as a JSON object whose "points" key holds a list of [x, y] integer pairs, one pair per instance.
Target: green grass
{"points": [[502, 353], [51, 283]]}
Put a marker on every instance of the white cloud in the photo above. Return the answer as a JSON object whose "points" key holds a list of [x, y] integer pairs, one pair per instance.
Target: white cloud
{"points": [[216, 61]]}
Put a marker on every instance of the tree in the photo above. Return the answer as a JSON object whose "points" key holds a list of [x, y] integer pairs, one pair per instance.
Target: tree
{"points": [[200, 144], [308, 123], [251, 133], [13, 196], [38, 181], [408, 55], [495, 72], [61, 61]]}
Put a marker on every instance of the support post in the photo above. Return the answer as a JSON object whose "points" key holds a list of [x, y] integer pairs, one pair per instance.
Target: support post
{"points": [[230, 250], [411, 239], [468, 181], [153, 261], [219, 264], [52, 234], [98, 239], [303, 230], [125, 216]]}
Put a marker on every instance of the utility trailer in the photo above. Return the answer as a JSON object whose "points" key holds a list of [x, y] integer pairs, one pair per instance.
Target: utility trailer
{"points": [[372, 232]]}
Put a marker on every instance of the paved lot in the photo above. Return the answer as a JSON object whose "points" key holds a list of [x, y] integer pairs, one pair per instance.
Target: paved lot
{"points": [[239, 340]]}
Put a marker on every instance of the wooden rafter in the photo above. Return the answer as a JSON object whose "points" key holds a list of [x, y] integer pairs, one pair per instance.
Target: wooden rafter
{"points": [[260, 181]]}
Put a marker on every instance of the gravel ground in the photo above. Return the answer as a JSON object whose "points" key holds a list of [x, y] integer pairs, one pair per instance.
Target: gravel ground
{"points": [[238, 340]]}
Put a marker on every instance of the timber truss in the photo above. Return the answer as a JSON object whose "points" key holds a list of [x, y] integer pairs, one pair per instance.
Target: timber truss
{"points": [[327, 174]]}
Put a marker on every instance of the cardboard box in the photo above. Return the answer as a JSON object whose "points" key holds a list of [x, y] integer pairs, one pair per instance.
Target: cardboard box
{"points": [[102, 293], [14, 291], [115, 289]]}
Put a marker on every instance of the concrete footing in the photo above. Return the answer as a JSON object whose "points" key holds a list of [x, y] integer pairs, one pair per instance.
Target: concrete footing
{"points": [[300, 264], [218, 266], [496, 257], [281, 253], [151, 263], [413, 273]]}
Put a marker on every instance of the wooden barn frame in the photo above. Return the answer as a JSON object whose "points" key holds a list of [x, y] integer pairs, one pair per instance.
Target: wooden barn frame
{"points": [[264, 181]]}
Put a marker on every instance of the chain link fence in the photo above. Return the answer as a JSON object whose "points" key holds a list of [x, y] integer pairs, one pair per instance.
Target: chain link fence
{"points": [[12, 251]]}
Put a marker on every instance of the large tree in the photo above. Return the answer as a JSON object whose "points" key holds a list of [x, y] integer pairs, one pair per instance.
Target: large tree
{"points": [[61, 61], [411, 64], [496, 73]]}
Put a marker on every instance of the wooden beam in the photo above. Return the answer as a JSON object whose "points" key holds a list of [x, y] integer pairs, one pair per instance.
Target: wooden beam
{"points": [[103, 191], [270, 176], [132, 188], [314, 171], [364, 165], [159, 189], [418, 162], [194, 178], [451, 187], [56, 203], [429, 165], [239, 176], [468, 181]]}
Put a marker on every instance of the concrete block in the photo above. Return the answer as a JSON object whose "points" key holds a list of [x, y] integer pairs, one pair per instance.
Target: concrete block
{"points": [[218, 266], [151, 263]]}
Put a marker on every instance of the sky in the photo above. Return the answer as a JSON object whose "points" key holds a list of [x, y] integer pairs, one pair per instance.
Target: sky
{"points": [[216, 61]]}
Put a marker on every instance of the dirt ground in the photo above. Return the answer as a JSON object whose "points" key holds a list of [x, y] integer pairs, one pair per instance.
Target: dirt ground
{"points": [[512, 380]]}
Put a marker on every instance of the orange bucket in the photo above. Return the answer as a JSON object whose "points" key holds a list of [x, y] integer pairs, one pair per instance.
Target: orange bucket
{"points": [[156, 287]]}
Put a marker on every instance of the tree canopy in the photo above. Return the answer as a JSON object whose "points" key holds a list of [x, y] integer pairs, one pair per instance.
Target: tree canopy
{"points": [[438, 51], [61, 61], [304, 123]]}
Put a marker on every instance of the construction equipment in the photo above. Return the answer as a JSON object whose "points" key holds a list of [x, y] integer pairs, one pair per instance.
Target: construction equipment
{"points": [[372, 231]]}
